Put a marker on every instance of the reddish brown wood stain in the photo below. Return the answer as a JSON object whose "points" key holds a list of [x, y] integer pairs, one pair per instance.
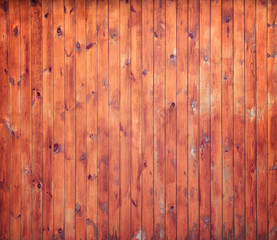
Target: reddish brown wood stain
{"points": [[138, 119]]}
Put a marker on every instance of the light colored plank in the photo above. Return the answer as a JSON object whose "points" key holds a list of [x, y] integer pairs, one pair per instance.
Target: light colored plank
{"points": [[170, 120], [92, 138], [147, 118], [159, 119], [216, 148], [261, 119], [227, 118], [26, 137], [114, 154], [59, 116], [70, 120], [205, 123], [136, 93], [239, 169], [81, 119], [125, 121], [193, 119], [103, 124], [47, 88], [182, 119], [250, 121]]}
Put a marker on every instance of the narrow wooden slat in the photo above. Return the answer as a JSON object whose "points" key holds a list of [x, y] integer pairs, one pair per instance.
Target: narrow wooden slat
{"points": [[182, 119], [250, 120], [4, 121], [272, 117], [81, 119], [170, 119], [103, 150], [70, 121], [26, 160], [147, 118], [47, 92], [91, 48], [136, 113], [114, 177], [216, 153], [205, 131], [159, 119], [193, 119], [227, 113], [59, 116], [261, 119], [125, 121], [239, 171], [36, 79], [15, 137]]}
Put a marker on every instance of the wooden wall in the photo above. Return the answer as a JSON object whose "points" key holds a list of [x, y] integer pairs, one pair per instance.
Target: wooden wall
{"points": [[138, 119]]}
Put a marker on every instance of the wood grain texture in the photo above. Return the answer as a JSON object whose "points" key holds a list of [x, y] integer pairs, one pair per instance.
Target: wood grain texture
{"points": [[272, 117], [59, 116], [239, 123], [159, 119], [138, 119], [81, 119], [5, 122], [250, 122], [47, 88], [227, 100], [91, 64], [193, 119], [26, 137], [182, 119], [170, 119], [102, 118], [37, 117], [71, 205], [216, 121], [147, 118], [204, 125], [114, 117]]}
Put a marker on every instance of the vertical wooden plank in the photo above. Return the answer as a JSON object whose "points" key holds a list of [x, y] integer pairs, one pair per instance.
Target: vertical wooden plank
{"points": [[81, 119], [216, 163], [182, 119], [114, 177], [250, 120], [103, 150], [26, 160], [205, 131], [227, 112], [14, 77], [47, 93], [193, 119], [5, 129], [92, 138], [125, 121], [159, 119], [239, 164], [136, 114], [59, 115], [170, 120], [272, 117], [36, 78], [261, 121], [147, 118], [70, 122]]}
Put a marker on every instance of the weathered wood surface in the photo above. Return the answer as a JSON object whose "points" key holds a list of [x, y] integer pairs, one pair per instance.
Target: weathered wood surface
{"points": [[139, 119]]}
